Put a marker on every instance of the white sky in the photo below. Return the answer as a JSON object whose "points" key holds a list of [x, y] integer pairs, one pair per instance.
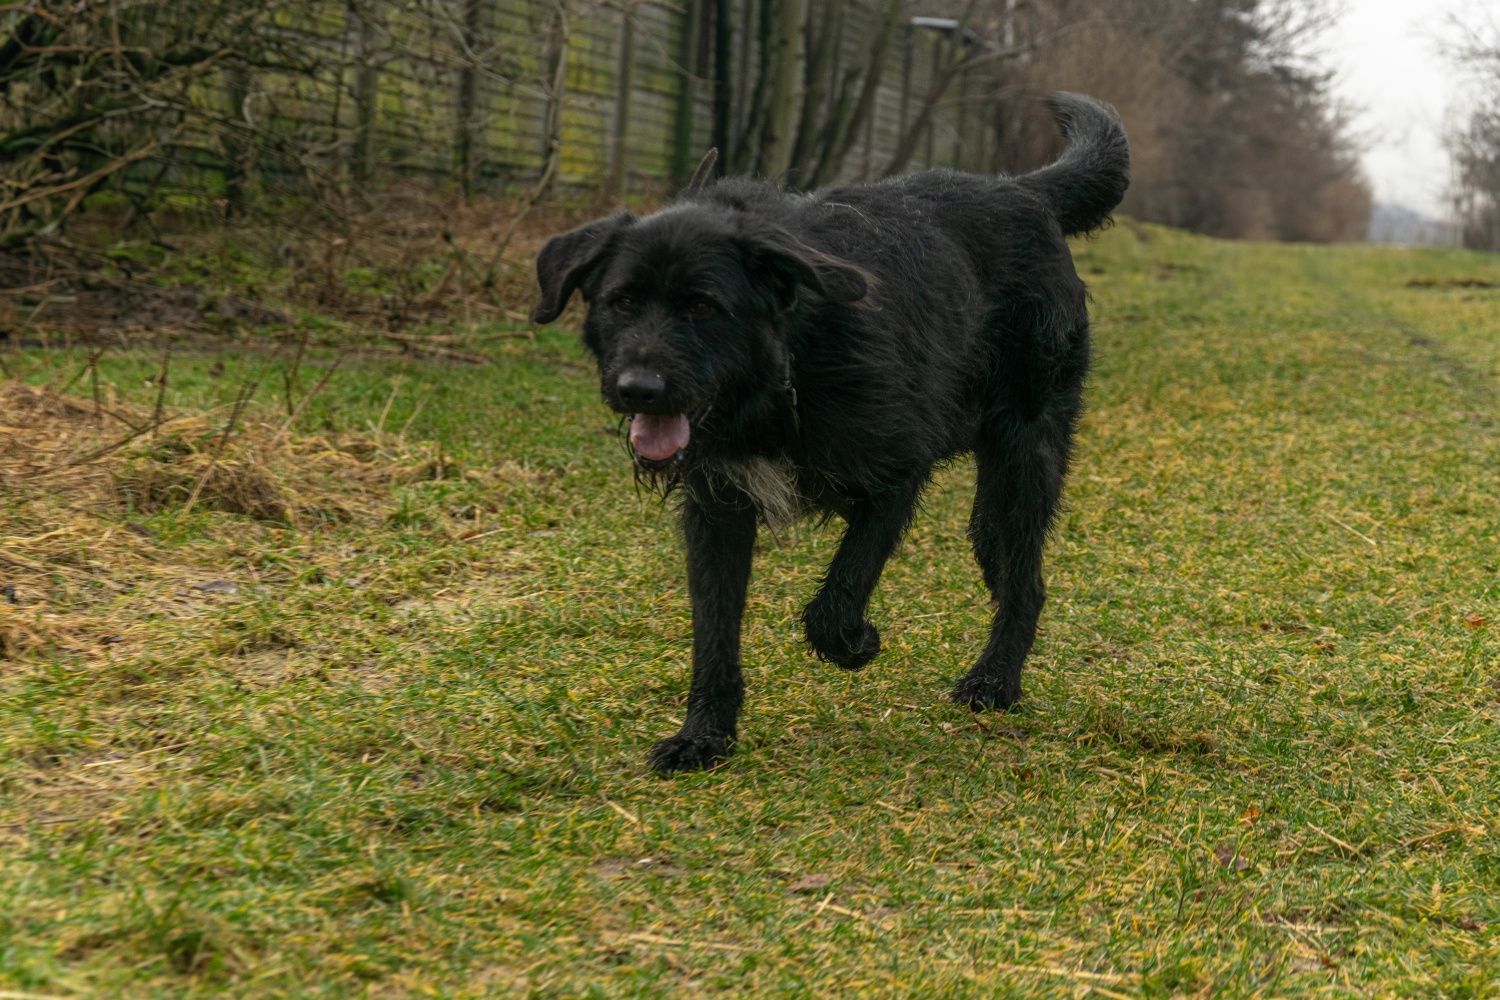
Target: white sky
{"points": [[1386, 52]]}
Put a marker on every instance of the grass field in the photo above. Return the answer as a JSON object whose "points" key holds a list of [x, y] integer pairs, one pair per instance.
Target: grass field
{"points": [[390, 740]]}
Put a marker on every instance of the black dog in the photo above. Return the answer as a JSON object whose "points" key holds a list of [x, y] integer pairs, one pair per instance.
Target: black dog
{"points": [[783, 352]]}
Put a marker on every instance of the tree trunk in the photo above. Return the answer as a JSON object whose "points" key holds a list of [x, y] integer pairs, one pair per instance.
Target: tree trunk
{"points": [[828, 138], [874, 72], [366, 87], [784, 95], [757, 109], [725, 81], [624, 92], [822, 42], [557, 70], [687, 94], [237, 153], [468, 89], [914, 130], [918, 128]]}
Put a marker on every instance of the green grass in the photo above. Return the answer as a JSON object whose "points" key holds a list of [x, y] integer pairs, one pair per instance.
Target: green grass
{"points": [[1259, 752]]}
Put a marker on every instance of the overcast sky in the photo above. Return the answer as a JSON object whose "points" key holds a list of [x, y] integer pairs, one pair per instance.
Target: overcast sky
{"points": [[1387, 54]]}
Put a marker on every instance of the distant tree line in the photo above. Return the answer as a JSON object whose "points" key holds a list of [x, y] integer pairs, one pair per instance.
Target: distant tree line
{"points": [[242, 103], [1474, 143], [1234, 129]]}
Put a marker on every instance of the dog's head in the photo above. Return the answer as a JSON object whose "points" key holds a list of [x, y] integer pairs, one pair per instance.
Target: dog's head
{"points": [[682, 308]]}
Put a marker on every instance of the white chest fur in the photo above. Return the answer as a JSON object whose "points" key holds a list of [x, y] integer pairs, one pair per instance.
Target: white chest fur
{"points": [[770, 483]]}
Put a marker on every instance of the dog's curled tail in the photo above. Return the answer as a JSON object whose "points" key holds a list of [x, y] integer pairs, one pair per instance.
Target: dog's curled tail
{"points": [[1086, 183]]}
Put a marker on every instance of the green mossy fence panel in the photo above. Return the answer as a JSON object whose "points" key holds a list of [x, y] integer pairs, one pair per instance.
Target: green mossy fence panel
{"points": [[511, 136], [444, 85], [588, 104]]}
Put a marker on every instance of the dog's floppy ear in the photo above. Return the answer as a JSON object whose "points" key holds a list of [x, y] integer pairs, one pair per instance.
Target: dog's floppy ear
{"points": [[567, 259], [796, 263]]}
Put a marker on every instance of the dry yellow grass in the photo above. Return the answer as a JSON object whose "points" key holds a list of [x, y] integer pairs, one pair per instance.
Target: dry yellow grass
{"points": [[71, 467]]}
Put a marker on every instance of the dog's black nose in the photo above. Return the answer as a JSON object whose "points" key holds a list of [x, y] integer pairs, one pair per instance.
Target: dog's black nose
{"points": [[640, 389]]}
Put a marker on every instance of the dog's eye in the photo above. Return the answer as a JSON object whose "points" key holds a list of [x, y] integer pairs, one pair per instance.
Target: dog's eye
{"points": [[701, 309], [626, 304]]}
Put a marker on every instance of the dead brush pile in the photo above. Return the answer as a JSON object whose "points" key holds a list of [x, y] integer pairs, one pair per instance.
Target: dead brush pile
{"points": [[402, 270], [71, 468]]}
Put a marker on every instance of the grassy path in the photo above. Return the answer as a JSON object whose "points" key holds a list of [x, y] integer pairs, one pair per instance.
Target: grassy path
{"points": [[1258, 753]]}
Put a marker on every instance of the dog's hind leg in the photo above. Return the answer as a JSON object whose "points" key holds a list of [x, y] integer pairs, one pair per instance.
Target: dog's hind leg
{"points": [[720, 540], [1021, 467], [834, 620]]}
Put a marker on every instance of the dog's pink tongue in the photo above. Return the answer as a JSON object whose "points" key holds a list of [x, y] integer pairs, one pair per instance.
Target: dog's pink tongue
{"points": [[658, 437]]}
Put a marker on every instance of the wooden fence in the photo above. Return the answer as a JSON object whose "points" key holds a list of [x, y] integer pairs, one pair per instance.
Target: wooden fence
{"points": [[613, 95]]}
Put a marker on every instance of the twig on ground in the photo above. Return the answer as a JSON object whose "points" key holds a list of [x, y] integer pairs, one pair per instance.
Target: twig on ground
{"points": [[302, 405], [291, 376], [161, 389], [1358, 534]]}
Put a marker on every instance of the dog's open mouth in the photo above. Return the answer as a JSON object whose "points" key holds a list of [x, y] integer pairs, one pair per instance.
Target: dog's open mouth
{"points": [[658, 438]]}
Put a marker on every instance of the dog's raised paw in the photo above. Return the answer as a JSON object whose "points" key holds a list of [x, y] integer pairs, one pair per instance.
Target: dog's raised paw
{"points": [[848, 648], [985, 692], [685, 752]]}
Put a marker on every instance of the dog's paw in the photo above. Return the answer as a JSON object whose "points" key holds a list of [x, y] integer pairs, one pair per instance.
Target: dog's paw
{"points": [[686, 752], [981, 692], [846, 647]]}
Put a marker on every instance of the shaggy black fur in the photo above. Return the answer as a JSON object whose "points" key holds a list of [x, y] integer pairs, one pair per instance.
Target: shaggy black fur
{"points": [[843, 343]]}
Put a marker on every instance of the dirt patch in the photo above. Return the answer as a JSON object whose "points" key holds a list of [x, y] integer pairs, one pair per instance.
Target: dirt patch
{"points": [[103, 300], [1452, 283], [625, 867], [1165, 269]]}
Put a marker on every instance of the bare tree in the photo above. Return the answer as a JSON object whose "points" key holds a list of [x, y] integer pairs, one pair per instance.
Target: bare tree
{"points": [[1234, 130], [1474, 145]]}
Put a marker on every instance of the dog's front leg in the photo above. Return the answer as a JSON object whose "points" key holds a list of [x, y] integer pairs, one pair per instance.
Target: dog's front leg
{"points": [[834, 621], [720, 539]]}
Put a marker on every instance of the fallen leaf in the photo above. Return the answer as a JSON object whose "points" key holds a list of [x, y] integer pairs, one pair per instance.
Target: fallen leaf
{"points": [[1250, 815], [1476, 621]]}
